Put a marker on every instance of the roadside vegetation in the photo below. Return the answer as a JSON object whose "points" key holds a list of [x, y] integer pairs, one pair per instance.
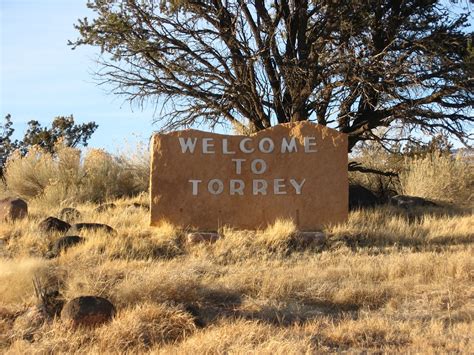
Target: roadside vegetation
{"points": [[388, 279]]}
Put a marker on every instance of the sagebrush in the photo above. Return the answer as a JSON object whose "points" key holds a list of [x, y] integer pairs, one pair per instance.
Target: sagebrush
{"points": [[438, 176], [71, 176]]}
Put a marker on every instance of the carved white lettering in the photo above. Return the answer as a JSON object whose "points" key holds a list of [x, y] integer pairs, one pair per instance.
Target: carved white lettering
{"points": [[244, 148], [308, 143], [268, 142], [298, 186], [278, 186], [215, 186], [261, 169], [281, 186], [259, 187], [187, 144], [208, 143], [238, 165], [195, 186], [225, 147], [237, 187], [289, 146]]}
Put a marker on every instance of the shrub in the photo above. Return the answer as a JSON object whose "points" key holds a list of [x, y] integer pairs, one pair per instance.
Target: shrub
{"points": [[439, 177], [429, 171], [30, 175], [63, 129], [65, 177], [144, 326]]}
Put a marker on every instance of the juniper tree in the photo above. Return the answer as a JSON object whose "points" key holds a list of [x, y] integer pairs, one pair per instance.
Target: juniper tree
{"points": [[63, 128], [354, 65]]}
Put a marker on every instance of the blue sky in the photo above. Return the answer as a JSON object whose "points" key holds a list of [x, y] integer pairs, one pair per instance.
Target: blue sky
{"points": [[41, 77]]}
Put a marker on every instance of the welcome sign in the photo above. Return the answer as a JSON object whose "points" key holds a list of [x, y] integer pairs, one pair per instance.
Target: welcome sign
{"points": [[204, 181]]}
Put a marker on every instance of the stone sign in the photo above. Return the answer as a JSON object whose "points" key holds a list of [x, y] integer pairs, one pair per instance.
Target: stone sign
{"points": [[205, 181]]}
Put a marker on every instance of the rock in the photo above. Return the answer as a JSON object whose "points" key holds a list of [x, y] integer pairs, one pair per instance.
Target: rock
{"points": [[308, 239], [53, 224], [360, 197], [405, 201], [87, 311], [92, 227], [105, 207], [69, 214], [294, 171], [64, 243], [202, 237], [12, 209]]}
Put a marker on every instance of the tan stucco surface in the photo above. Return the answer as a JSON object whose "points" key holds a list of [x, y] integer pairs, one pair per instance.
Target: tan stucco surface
{"points": [[310, 187]]}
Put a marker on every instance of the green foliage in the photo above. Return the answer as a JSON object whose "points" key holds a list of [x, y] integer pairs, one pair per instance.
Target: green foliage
{"points": [[63, 129], [7, 145]]}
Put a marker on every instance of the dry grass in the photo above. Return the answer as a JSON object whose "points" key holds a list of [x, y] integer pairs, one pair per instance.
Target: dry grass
{"points": [[67, 178], [439, 177], [387, 280]]}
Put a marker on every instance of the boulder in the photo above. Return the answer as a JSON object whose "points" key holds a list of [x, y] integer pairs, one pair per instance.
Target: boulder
{"points": [[202, 237], [105, 207], [12, 209], [69, 214], [87, 311], [53, 224], [64, 243], [360, 197], [405, 201], [92, 227]]}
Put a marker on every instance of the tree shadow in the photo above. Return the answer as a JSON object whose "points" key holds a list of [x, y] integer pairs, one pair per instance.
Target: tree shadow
{"points": [[415, 218], [216, 305], [416, 214]]}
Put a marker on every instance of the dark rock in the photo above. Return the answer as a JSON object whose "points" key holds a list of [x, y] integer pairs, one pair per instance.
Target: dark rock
{"points": [[53, 224], [64, 243], [12, 209], [105, 207], [405, 201], [69, 214], [360, 197], [92, 227], [87, 311]]}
